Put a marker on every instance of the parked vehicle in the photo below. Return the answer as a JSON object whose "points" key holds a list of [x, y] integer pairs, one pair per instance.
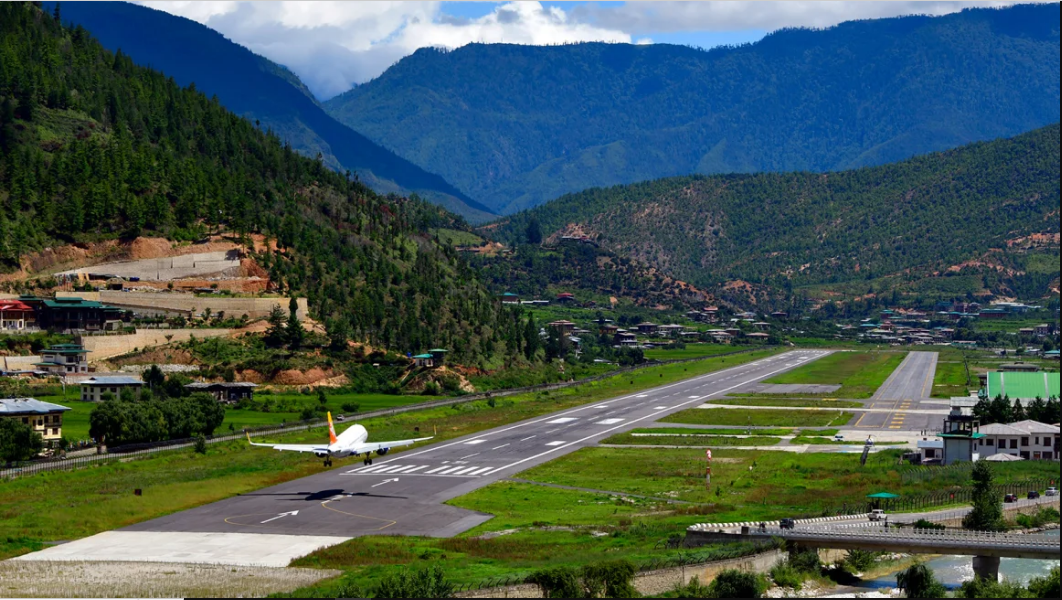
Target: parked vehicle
{"points": [[877, 515], [1010, 499], [787, 524], [1052, 492], [1034, 495]]}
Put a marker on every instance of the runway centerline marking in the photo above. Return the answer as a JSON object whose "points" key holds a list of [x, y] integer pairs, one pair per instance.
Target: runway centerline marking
{"points": [[499, 447], [529, 438], [469, 456], [654, 415], [696, 380]]}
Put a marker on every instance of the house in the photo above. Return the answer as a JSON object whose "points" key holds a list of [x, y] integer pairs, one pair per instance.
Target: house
{"points": [[759, 337], [994, 314], [226, 393], [780, 315], [720, 336], [647, 328], [563, 328], [762, 326], [1052, 355], [931, 451], [566, 298], [438, 356], [1022, 386], [626, 338], [1043, 330], [510, 298], [94, 388], [64, 359], [671, 330], [711, 314], [735, 333], [74, 314], [961, 433], [16, 316], [609, 330], [1028, 440], [424, 361], [45, 418]]}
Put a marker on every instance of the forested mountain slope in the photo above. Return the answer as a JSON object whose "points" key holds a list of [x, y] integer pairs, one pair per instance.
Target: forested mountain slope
{"points": [[262, 91], [515, 126], [984, 216], [94, 147]]}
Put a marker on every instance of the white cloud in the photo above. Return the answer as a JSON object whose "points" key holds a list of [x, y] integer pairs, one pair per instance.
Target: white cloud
{"points": [[765, 15], [333, 45]]}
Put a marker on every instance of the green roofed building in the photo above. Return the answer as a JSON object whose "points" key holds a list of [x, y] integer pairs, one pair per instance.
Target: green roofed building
{"points": [[1022, 386], [74, 314]]}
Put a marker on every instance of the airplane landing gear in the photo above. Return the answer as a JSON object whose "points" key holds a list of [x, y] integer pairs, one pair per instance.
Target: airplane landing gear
{"points": [[328, 462], [368, 462]]}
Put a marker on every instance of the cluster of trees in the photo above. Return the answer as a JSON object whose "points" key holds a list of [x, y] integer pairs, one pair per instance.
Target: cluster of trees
{"points": [[18, 441], [852, 228], [1001, 410], [95, 147], [515, 126], [164, 411]]}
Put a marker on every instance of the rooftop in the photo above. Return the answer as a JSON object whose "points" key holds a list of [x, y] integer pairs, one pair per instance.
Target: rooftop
{"points": [[1035, 427], [115, 380], [28, 406], [226, 385], [13, 305]]}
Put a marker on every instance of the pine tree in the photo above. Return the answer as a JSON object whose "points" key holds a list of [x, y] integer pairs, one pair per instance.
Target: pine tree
{"points": [[987, 514], [275, 334], [295, 333], [532, 342]]}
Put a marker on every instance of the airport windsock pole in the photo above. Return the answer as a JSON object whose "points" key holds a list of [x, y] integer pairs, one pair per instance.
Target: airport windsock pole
{"points": [[708, 472]]}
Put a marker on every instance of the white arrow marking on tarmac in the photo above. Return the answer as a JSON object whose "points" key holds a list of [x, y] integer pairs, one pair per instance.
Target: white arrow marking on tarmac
{"points": [[386, 482], [281, 516]]}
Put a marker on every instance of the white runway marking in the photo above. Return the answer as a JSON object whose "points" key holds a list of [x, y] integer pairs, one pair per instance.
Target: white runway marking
{"points": [[475, 442], [562, 421], [529, 438], [659, 408], [642, 396], [610, 422], [554, 444], [500, 447], [469, 456]]}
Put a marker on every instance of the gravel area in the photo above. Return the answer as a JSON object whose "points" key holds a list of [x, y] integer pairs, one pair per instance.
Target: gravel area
{"points": [[149, 580]]}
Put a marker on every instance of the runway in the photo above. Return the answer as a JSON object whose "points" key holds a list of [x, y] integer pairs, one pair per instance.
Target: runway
{"points": [[405, 495], [903, 402]]}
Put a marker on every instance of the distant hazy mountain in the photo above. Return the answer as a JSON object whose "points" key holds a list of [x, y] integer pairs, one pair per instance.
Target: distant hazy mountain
{"points": [[260, 90], [515, 126], [979, 218]]}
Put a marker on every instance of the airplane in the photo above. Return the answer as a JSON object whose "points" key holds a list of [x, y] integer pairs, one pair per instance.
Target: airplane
{"points": [[353, 442]]}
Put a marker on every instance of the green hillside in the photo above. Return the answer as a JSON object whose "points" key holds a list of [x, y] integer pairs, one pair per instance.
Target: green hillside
{"points": [[95, 147], [515, 126], [980, 218]]}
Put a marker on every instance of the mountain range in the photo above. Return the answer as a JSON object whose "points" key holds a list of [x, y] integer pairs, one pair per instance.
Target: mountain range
{"points": [[515, 126], [260, 90], [978, 219]]}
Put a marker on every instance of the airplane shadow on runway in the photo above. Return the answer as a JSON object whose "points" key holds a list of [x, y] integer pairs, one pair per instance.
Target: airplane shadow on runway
{"points": [[324, 495]]}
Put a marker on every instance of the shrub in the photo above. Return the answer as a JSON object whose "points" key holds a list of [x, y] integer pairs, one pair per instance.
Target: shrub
{"points": [[1045, 587], [805, 561], [784, 575], [859, 561], [610, 580], [693, 590], [200, 445], [737, 584], [561, 582], [920, 582], [422, 583], [351, 407], [928, 526], [984, 588], [307, 414]]}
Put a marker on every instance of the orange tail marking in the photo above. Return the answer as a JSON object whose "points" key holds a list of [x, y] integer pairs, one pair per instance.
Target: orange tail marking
{"points": [[331, 430]]}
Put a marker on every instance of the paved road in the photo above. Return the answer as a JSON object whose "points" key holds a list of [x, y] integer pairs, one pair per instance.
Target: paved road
{"points": [[404, 495], [899, 402]]}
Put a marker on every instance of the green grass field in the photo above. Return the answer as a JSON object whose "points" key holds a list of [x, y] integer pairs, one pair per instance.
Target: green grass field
{"points": [[787, 402], [859, 374], [950, 380], [747, 485], [690, 351], [760, 418], [706, 431], [692, 440]]}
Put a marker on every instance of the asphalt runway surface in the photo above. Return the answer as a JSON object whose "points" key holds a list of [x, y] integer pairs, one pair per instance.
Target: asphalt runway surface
{"points": [[897, 404], [405, 494]]}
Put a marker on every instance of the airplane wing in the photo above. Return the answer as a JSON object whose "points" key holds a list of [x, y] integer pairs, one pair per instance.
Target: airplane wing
{"points": [[291, 447], [378, 446]]}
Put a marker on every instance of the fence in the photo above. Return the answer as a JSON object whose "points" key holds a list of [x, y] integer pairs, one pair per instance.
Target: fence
{"points": [[142, 450]]}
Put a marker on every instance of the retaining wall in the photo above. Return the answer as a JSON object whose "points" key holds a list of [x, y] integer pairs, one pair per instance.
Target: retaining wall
{"points": [[255, 308], [104, 347], [655, 583]]}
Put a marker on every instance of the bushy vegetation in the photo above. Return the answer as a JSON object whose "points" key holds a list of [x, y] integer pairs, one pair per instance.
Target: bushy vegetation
{"points": [[919, 581], [987, 514], [18, 441], [603, 580], [1002, 410], [415, 583], [848, 229], [132, 421]]}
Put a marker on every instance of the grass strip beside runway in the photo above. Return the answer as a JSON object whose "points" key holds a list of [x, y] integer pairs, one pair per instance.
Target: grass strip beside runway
{"points": [[787, 403], [859, 374], [694, 440], [759, 418]]}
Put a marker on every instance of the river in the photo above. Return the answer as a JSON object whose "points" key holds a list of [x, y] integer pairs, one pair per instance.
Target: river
{"points": [[953, 571]]}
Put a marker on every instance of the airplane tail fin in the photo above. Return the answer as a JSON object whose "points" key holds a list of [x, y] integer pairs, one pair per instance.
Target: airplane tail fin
{"points": [[331, 430]]}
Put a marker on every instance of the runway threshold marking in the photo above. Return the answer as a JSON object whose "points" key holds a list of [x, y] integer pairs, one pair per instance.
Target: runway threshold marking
{"points": [[708, 376]]}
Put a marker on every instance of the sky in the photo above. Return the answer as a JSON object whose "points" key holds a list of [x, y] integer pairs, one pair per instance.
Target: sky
{"points": [[333, 46]]}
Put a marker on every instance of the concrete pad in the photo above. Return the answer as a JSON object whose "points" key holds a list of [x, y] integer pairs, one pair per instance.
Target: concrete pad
{"points": [[234, 549], [794, 389]]}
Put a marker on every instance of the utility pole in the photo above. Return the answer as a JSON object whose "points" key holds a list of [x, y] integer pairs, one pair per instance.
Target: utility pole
{"points": [[708, 472]]}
